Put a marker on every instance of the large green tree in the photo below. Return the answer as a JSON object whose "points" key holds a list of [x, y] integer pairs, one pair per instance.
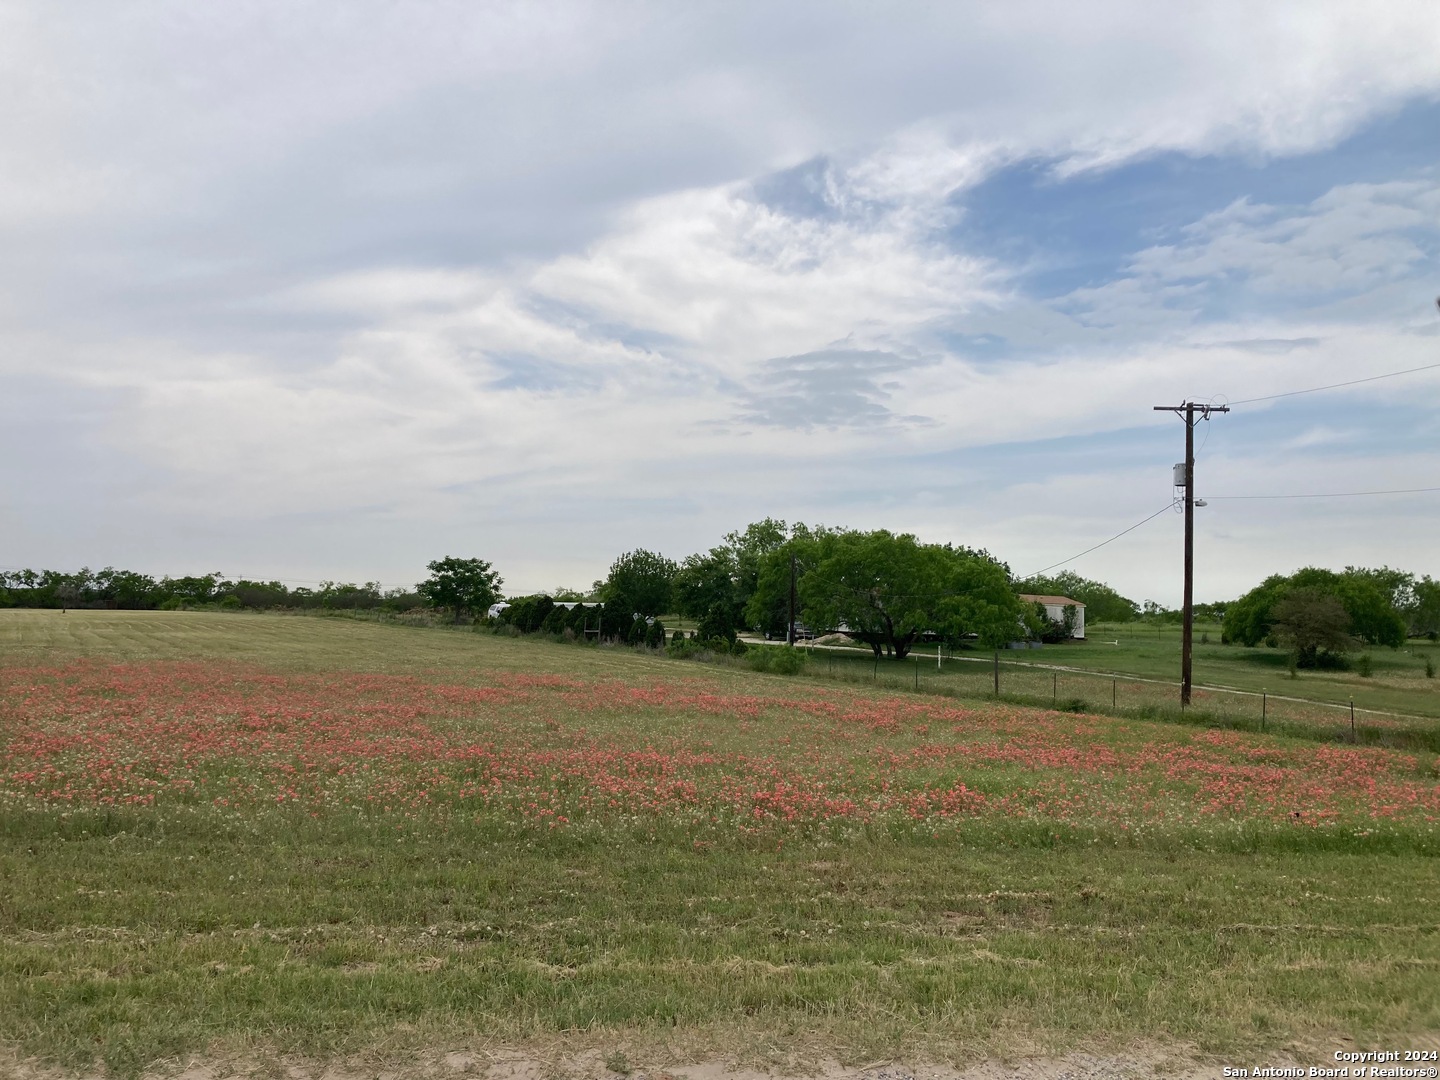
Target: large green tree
{"points": [[886, 590], [192, 588], [705, 588], [1367, 596], [767, 607], [1311, 621], [747, 550], [1424, 611], [717, 586], [640, 581], [461, 585], [125, 588], [1248, 620], [1370, 602]]}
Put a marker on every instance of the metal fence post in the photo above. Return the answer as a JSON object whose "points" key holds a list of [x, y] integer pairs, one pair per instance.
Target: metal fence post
{"points": [[1264, 706]]}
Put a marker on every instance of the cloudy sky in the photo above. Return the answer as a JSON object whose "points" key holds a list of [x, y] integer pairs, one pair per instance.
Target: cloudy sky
{"points": [[328, 290]]}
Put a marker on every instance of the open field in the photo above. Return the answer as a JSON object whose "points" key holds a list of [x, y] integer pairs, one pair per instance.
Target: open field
{"points": [[245, 834]]}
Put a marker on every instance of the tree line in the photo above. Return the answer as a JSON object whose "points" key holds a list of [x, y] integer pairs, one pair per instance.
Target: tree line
{"points": [[889, 590], [126, 589], [886, 590], [1323, 614]]}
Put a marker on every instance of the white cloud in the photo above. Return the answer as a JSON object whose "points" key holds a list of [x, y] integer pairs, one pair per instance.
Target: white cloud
{"points": [[1351, 238], [467, 263]]}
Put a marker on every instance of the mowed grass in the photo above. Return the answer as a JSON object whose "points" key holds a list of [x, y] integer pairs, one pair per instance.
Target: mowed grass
{"points": [[326, 837]]}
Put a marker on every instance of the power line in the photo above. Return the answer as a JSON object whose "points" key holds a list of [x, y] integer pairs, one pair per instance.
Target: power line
{"points": [[1102, 543], [1335, 386], [1205, 411], [1329, 494], [1208, 498]]}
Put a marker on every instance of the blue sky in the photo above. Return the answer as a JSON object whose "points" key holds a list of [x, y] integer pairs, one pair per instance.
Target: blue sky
{"points": [[311, 290], [1074, 231]]}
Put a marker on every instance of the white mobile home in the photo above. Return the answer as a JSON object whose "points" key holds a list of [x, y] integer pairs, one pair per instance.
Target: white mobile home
{"points": [[1055, 609]]}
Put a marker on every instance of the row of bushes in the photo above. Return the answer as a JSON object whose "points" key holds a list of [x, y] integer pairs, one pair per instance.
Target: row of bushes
{"points": [[608, 623], [776, 659]]}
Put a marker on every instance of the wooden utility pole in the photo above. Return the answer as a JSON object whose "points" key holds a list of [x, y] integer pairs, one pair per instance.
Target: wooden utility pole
{"points": [[1188, 412], [791, 636]]}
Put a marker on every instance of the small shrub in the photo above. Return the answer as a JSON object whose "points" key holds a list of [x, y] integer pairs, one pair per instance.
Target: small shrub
{"points": [[1429, 668], [1272, 642], [1075, 705], [636, 636], [655, 635], [1365, 666], [758, 659], [1294, 666], [677, 637], [780, 659], [787, 660], [680, 649], [1205, 637]]}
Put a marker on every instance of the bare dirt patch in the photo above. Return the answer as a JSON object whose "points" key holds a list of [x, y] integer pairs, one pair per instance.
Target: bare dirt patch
{"points": [[1139, 1063]]}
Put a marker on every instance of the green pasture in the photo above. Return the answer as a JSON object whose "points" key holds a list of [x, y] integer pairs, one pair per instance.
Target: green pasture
{"points": [[1398, 681], [1131, 669], [133, 941]]}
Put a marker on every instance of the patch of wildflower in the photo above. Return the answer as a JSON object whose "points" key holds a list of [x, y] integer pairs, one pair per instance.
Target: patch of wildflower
{"points": [[559, 751]]}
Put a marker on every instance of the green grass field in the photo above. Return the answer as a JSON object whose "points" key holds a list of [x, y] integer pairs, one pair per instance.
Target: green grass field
{"points": [[1398, 682], [248, 835]]}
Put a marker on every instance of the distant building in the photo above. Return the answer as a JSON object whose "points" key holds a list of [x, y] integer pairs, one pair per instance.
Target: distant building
{"points": [[496, 609], [1055, 609]]}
